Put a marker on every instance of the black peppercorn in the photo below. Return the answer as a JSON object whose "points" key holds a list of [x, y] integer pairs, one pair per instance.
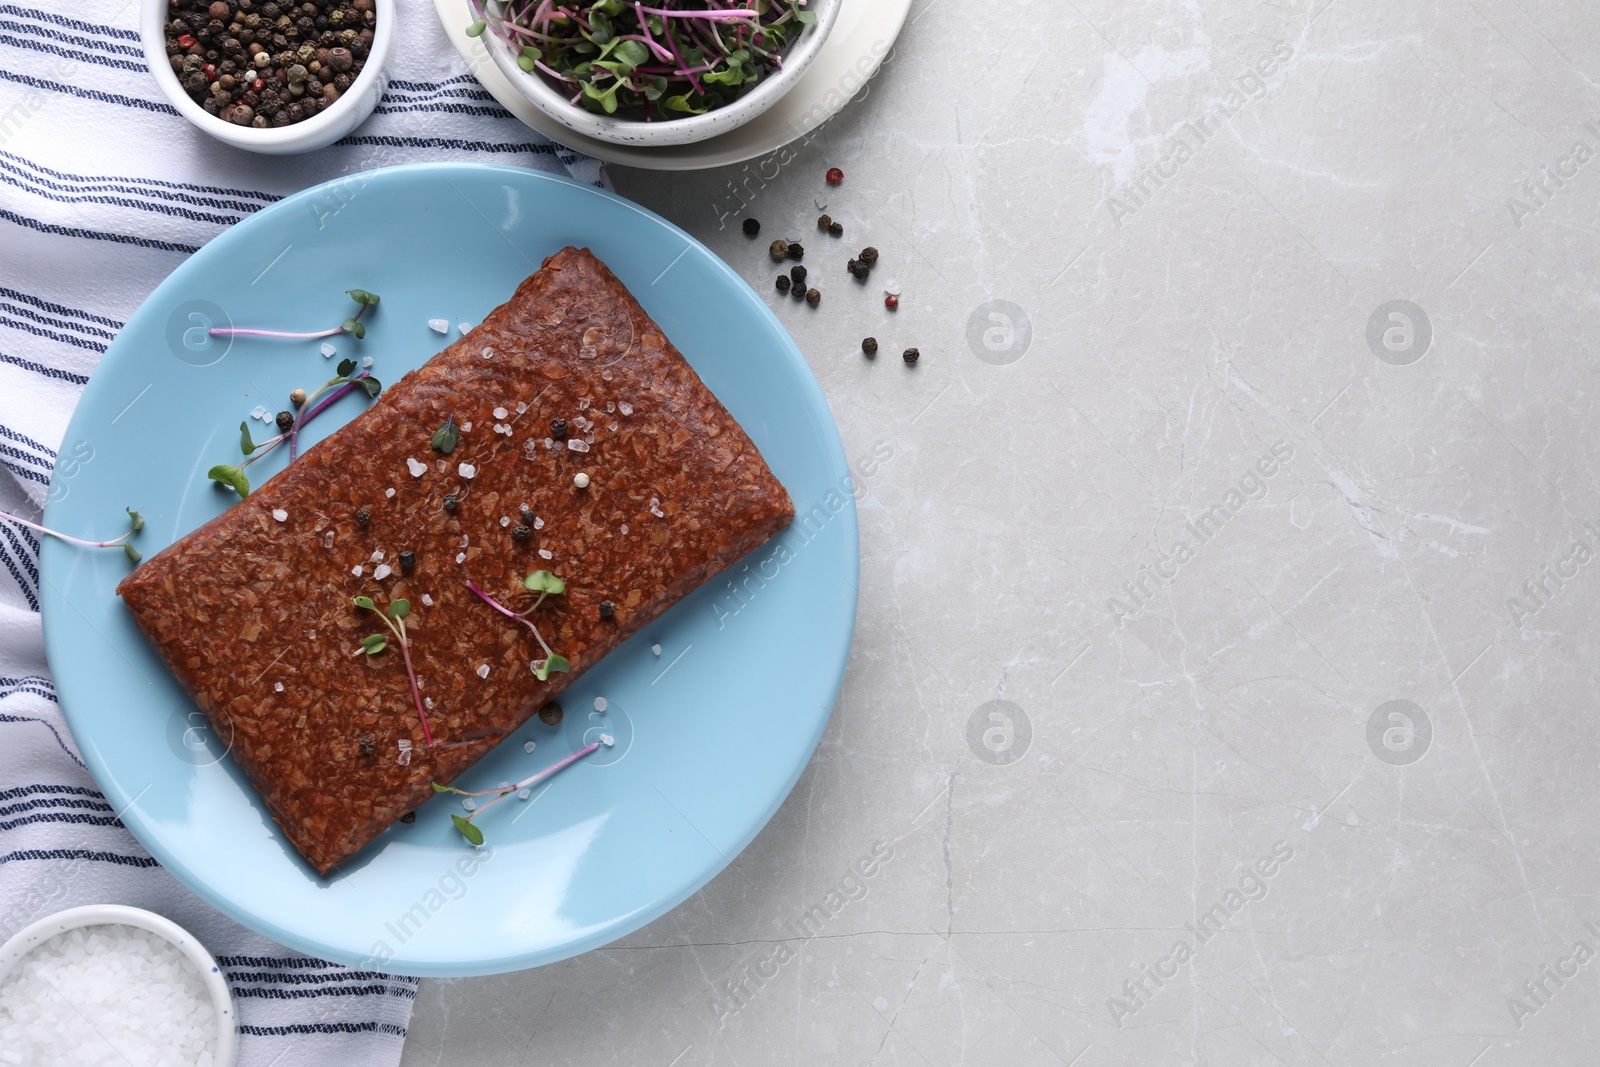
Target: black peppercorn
{"points": [[869, 255], [409, 817], [607, 609], [285, 419], [870, 346], [558, 428], [451, 501], [836, 229], [795, 250], [550, 714], [408, 560], [814, 297], [751, 227], [368, 746], [911, 356], [362, 518], [783, 283], [823, 222], [527, 517], [860, 270], [797, 274], [520, 532]]}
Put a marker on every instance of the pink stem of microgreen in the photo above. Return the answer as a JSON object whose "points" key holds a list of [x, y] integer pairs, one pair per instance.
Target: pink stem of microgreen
{"points": [[508, 613], [416, 691], [530, 780], [301, 420], [218, 331], [117, 543]]}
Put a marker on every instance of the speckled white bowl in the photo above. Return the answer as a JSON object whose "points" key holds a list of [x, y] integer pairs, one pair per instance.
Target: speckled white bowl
{"points": [[319, 131], [35, 934], [686, 130]]}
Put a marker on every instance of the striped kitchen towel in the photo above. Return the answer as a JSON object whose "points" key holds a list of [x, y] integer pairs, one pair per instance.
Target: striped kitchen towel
{"points": [[104, 189]]}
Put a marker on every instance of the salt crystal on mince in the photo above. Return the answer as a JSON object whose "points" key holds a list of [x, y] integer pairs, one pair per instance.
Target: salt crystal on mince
{"points": [[427, 702], [538, 523], [383, 571], [388, 493], [521, 407], [280, 514], [465, 538], [467, 470], [483, 670], [417, 469], [576, 445], [277, 687], [327, 539], [488, 353], [466, 427], [624, 528], [625, 407], [504, 521], [501, 413], [545, 553], [611, 405], [427, 600], [356, 570], [583, 404], [461, 557]]}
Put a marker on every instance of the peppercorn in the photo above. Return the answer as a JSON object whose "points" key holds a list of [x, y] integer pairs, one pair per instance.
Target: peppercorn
{"points": [[859, 270], [285, 419], [550, 714], [778, 249], [558, 428], [835, 175], [368, 746], [891, 302], [362, 518], [783, 283], [451, 501], [797, 274], [870, 346], [408, 560], [796, 250], [824, 221], [869, 255], [520, 532], [527, 516], [297, 397], [836, 230], [799, 292], [911, 356], [814, 297], [409, 817], [607, 609], [850, 267], [751, 227]]}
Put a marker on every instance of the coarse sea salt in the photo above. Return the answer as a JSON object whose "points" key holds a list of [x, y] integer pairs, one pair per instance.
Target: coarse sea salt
{"points": [[366, 361], [389, 493], [625, 408], [655, 650], [427, 600], [439, 325], [377, 555], [501, 413], [259, 413], [467, 470], [545, 553], [417, 469], [483, 670], [529, 746], [109, 994], [383, 571], [277, 687], [356, 570], [464, 327], [280, 514], [327, 350]]}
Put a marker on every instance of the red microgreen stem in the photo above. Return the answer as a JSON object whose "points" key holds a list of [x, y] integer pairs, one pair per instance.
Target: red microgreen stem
{"points": [[508, 613], [530, 780], [416, 691]]}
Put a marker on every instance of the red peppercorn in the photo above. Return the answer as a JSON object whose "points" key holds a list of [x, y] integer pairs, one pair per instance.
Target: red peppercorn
{"points": [[186, 42], [835, 176], [891, 301], [211, 72], [258, 84]]}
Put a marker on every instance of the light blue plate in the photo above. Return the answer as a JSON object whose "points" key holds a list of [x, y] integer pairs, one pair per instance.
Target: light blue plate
{"points": [[710, 735]]}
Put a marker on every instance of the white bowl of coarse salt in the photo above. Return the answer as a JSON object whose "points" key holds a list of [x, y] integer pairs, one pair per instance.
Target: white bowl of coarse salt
{"points": [[112, 985]]}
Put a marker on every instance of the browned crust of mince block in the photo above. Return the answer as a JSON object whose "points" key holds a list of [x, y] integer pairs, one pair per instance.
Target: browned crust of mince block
{"points": [[247, 602]]}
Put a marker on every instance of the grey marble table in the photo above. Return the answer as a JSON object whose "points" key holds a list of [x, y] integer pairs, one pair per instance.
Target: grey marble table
{"points": [[1223, 683]]}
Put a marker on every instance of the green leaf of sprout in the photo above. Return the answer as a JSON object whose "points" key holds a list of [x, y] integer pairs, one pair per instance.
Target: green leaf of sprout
{"points": [[544, 582], [232, 477], [361, 296], [354, 329], [372, 644], [807, 18], [437, 788], [246, 445], [468, 831], [555, 664], [364, 602], [446, 437], [477, 28], [371, 385], [132, 554], [399, 609], [138, 519], [346, 367]]}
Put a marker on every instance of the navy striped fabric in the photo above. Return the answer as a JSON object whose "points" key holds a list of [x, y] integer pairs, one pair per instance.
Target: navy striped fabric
{"points": [[104, 189]]}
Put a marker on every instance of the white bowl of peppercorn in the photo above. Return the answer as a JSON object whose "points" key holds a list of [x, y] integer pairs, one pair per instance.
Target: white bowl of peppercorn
{"points": [[268, 76]]}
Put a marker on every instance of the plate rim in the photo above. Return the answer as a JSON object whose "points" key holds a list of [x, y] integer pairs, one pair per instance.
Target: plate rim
{"points": [[54, 606]]}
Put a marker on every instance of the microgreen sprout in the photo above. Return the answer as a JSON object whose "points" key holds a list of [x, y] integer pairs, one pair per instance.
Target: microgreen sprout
{"points": [[447, 436], [346, 380], [136, 523], [352, 325], [475, 835], [649, 63], [546, 585], [394, 617]]}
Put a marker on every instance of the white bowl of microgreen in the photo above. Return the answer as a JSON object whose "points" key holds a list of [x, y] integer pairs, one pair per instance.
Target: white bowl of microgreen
{"points": [[666, 73]]}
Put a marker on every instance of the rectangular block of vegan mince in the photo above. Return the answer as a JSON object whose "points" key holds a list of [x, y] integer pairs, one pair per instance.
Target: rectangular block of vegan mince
{"points": [[677, 493]]}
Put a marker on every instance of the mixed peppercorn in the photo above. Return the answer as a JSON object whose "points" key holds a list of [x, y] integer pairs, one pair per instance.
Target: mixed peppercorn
{"points": [[268, 64]]}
